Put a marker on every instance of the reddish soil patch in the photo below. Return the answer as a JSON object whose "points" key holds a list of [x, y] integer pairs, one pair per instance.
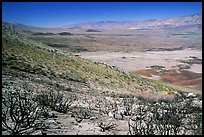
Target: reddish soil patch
{"points": [[186, 78]]}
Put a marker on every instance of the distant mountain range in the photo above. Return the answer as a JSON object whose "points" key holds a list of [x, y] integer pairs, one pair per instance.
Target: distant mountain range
{"points": [[194, 21]]}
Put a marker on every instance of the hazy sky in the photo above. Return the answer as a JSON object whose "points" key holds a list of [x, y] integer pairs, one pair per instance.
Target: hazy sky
{"points": [[56, 14]]}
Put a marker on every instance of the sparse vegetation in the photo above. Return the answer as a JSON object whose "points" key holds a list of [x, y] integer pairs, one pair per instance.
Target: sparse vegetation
{"points": [[55, 100], [157, 67], [178, 118], [33, 58], [194, 60], [106, 126], [53, 92], [165, 49], [65, 33]]}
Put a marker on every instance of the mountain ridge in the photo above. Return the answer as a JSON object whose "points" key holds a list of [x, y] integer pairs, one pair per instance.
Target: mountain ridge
{"points": [[138, 24]]}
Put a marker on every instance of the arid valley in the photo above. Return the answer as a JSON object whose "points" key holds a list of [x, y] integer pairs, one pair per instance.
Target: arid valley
{"points": [[103, 78], [174, 47]]}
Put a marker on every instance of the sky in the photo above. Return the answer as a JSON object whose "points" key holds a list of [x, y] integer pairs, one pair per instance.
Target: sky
{"points": [[58, 14]]}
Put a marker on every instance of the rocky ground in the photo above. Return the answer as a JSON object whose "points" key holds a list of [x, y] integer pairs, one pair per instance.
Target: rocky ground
{"points": [[92, 112]]}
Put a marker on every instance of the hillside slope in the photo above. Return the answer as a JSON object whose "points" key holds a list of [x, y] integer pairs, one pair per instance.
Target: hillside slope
{"points": [[30, 56]]}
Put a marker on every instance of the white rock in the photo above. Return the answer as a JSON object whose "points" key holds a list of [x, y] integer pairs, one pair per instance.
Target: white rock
{"points": [[93, 118], [149, 114], [121, 111], [191, 95], [197, 103], [57, 104], [164, 111], [111, 114]]}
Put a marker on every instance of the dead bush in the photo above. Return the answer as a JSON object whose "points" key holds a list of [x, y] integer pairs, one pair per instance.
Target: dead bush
{"points": [[55, 100], [108, 126], [19, 112]]}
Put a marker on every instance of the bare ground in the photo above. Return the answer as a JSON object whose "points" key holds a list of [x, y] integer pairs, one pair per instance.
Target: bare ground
{"points": [[134, 61]]}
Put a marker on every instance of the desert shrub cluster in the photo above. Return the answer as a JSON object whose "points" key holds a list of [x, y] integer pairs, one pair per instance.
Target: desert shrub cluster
{"points": [[23, 112], [183, 116]]}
